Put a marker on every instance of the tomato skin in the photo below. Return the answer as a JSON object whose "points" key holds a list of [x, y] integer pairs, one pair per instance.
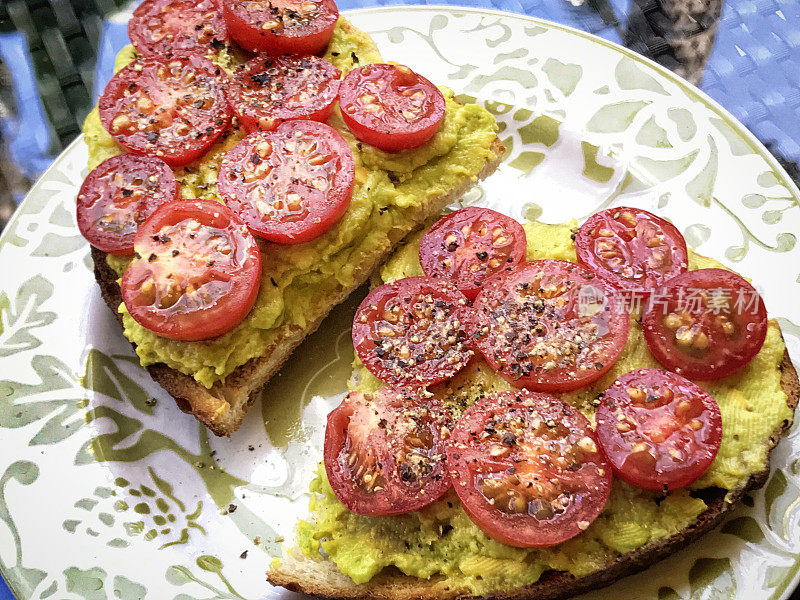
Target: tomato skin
{"points": [[285, 166], [701, 341], [269, 90], [412, 332], [370, 435], [677, 424], [527, 468], [393, 89], [637, 250], [192, 245], [144, 107], [118, 195], [550, 325], [180, 26], [246, 26], [494, 242]]}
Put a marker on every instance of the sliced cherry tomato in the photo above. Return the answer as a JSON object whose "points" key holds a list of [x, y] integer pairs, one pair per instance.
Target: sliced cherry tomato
{"points": [[281, 26], [658, 430], [118, 195], [290, 185], [470, 245], [195, 273], [527, 468], [705, 324], [269, 90], [391, 107], [385, 453], [412, 332], [550, 325], [173, 109], [632, 248], [167, 27]]}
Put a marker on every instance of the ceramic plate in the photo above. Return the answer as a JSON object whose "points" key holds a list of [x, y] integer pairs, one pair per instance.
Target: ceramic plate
{"points": [[108, 491]]}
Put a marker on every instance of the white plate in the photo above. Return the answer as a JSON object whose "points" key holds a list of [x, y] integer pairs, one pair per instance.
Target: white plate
{"points": [[104, 495]]}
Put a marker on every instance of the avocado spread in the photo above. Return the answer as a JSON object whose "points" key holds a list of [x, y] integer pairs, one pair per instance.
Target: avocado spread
{"points": [[300, 282], [441, 540]]}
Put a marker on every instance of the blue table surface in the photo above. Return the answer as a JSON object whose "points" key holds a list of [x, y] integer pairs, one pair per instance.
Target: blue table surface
{"points": [[757, 48]]}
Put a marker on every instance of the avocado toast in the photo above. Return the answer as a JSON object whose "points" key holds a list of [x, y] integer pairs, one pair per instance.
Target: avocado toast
{"points": [[438, 552], [216, 380]]}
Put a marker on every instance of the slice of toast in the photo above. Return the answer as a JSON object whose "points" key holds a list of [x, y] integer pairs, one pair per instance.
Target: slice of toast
{"points": [[300, 573], [223, 406]]}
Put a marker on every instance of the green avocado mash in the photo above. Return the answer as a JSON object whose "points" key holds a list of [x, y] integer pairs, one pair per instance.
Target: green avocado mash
{"points": [[441, 540], [299, 282]]}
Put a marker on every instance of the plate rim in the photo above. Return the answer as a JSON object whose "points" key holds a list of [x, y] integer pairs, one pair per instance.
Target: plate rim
{"points": [[791, 582]]}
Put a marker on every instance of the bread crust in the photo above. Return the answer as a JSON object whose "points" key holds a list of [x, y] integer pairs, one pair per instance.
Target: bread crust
{"points": [[299, 573], [222, 407]]}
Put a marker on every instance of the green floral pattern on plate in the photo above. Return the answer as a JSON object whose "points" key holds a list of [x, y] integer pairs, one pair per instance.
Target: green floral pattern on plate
{"points": [[97, 457]]}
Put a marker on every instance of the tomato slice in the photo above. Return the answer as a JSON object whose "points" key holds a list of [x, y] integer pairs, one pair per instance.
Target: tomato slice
{"points": [[289, 185], [195, 273], [412, 332], [168, 27], [550, 325], [118, 195], [527, 468], [384, 453], [632, 248], [281, 26], [173, 109], [705, 324], [268, 90], [470, 245], [390, 106], [658, 430]]}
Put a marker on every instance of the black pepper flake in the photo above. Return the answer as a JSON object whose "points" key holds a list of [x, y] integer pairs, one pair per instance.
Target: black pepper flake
{"points": [[151, 258], [255, 159], [209, 130], [334, 54], [127, 193], [261, 78], [354, 57], [217, 44], [176, 252], [273, 282], [509, 439], [232, 508], [243, 554], [152, 136], [392, 177], [482, 255]]}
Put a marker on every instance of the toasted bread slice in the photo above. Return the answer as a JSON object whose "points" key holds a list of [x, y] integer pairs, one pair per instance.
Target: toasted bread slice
{"points": [[300, 573], [222, 407]]}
